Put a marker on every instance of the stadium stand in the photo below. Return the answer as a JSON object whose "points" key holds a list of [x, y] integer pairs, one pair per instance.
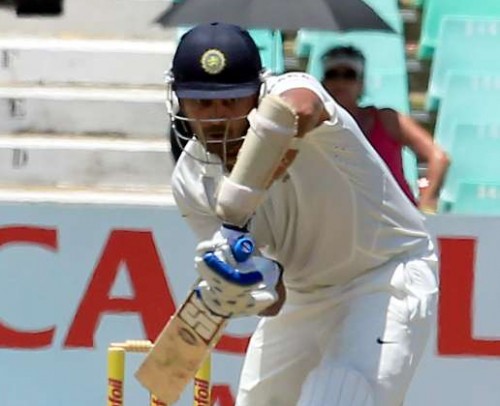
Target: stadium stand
{"points": [[460, 40], [477, 37], [478, 198], [270, 43], [472, 98], [475, 159], [475, 97], [436, 10]]}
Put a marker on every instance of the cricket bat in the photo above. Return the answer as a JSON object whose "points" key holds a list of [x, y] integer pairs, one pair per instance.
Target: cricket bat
{"points": [[180, 349], [185, 342]]}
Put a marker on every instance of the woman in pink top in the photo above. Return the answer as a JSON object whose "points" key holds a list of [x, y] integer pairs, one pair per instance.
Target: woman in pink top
{"points": [[387, 130]]}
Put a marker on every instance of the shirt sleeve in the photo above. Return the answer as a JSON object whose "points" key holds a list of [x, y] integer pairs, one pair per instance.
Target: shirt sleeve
{"points": [[295, 80], [199, 217], [203, 225]]}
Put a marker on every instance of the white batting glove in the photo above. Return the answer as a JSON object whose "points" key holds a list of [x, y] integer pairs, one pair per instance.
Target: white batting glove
{"points": [[232, 246], [235, 282], [250, 300]]}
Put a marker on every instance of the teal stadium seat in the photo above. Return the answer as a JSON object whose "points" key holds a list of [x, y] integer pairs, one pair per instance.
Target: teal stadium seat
{"points": [[475, 153], [387, 90], [306, 39], [270, 44], [478, 198], [436, 10], [466, 45], [386, 85], [474, 98]]}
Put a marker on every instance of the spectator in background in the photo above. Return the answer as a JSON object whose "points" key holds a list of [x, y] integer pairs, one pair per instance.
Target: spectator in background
{"points": [[386, 129]]}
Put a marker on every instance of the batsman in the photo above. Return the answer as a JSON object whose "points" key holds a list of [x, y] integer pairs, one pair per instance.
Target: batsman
{"points": [[342, 269]]}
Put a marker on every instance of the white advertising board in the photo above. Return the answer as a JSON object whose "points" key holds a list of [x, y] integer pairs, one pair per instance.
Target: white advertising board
{"points": [[74, 278], [461, 366]]}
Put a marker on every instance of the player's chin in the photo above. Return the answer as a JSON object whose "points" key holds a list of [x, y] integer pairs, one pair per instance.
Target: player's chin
{"points": [[229, 156]]}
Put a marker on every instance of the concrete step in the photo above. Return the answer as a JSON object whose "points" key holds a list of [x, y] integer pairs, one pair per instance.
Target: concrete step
{"points": [[53, 61], [71, 161], [150, 197], [128, 112], [110, 19]]}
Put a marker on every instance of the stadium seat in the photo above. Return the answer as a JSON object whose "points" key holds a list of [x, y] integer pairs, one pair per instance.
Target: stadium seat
{"points": [[478, 198], [387, 90], [474, 98], [270, 44], [386, 85], [466, 45], [475, 157], [436, 10], [306, 39]]}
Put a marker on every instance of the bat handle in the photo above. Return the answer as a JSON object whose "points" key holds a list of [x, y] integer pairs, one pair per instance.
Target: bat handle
{"points": [[243, 249]]}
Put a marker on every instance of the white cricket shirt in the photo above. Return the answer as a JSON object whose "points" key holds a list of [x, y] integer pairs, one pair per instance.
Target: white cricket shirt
{"points": [[337, 213]]}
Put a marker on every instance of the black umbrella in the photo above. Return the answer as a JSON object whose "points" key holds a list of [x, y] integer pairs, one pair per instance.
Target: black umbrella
{"points": [[332, 15]]}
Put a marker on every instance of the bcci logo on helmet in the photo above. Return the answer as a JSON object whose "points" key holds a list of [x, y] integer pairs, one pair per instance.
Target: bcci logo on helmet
{"points": [[213, 61]]}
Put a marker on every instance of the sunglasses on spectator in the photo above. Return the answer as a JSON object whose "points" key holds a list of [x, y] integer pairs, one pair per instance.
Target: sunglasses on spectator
{"points": [[346, 74]]}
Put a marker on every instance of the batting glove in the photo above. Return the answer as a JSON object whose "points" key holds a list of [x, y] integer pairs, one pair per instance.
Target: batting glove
{"points": [[235, 282]]}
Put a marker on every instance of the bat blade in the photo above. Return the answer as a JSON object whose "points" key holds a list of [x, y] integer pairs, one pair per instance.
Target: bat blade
{"points": [[180, 350]]}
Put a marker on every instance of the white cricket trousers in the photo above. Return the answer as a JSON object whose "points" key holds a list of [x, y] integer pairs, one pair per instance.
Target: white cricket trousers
{"points": [[351, 345]]}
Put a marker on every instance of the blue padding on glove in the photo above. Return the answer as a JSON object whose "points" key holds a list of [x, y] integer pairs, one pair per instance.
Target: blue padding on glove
{"points": [[229, 274]]}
